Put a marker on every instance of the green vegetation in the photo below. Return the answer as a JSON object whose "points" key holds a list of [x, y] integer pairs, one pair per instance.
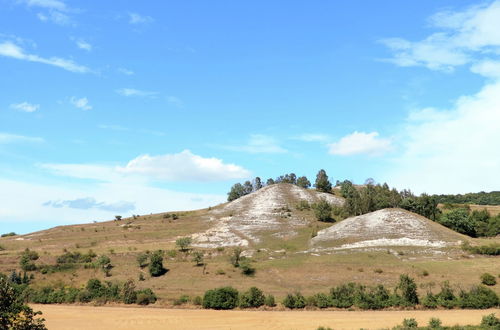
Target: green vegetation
{"points": [[254, 297], [14, 314], [183, 243], [221, 298], [198, 258], [156, 264], [491, 249], [480, 198], [322, 183], [323, 211], [488, 279], [8, 234], [488, 322], [27, 258]]}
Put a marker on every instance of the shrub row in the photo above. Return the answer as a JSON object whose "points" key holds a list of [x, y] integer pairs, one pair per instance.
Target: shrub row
{"points": [[229, 298], [95, 290]]}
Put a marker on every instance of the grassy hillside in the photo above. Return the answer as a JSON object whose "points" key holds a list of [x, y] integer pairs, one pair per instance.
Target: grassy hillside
{"points": [[282, 256]]}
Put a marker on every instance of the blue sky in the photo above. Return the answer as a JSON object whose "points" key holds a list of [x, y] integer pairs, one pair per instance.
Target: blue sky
{"points": [[128, 107]]}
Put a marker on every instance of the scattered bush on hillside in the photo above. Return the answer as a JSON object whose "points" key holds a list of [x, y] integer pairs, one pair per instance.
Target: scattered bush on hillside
{"points": [[323, 211], [303, 205], [294, 301], [446, 297], [246, 267], [479, 297], [104, 263], [146, 297], [236, 256], [270, 301], [142, 259], [488, 279], [254, 297], [156, 267], [184, 299], [198, 258], [492, 249], [75, 257], [407, 291], [27, 258], [198, 301], [221, 298], [8, 234], [183, 243]]}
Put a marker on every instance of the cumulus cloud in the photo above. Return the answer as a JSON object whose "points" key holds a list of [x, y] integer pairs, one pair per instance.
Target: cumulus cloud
{"points": [[81, 103], [134, 92], [25, 106], [361, 143], [6, 138], [9, 49], [90, 203], [183, 166], [135, 18], [259, 143], [462, 35]]}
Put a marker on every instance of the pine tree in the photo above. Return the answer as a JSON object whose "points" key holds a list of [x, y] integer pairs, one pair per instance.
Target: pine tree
{"points": [[322, 183]]}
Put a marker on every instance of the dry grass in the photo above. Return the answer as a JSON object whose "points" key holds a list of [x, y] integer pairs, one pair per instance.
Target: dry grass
{"points": [[80, 317]]}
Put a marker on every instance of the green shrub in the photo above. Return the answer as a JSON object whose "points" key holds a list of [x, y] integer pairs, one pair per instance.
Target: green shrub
{"points": [[197, 301], [128, 292], [142, 260], [446, 298], [246, 267], [323, 300], [198, 258], [146, 297], [407, 290], [343, 295], [303, 205], [434, 323], [373, 298], [254, 297], [410, 323], [270, 302], [323, 211], [490, 321], [294, 301], [324, 328], [184, 299], [488, 279], [236, 257], [479, 297], [8, 234], [183, 243], [156, 264], [430, 301], [221, 298]]}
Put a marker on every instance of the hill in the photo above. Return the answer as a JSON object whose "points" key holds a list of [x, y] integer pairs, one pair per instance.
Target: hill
{"points": [[274, 229]]}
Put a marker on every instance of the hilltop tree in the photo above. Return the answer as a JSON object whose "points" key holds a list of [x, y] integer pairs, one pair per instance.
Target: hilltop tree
{"points": [[322, 183], [303, 182], [269, 182], [257, 184], [237, 190], [247, 188]]}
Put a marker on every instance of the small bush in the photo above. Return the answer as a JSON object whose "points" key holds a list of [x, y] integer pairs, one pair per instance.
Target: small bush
{"points": [[323, 211], [156, 264], [407, 290], [430, 301], [343, 295], [488, 279], [198, 258], [270, 302], [294, 301], [434, 323], [479, 297], [410, 323], [323, 301], [221, 298], [236, 257], [197, 301], [246, 267], [446, 298], [184, 299], [254, 297], [490, 321], [303, 205], [378, 271], [183, 243], [142, 260]]}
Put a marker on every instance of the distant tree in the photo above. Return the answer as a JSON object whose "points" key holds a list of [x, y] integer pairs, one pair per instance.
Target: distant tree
{"points": [[13, 313], [183, 243], [269, 182], [322, 183], [198, 258], [104, 262], [129, 293], [156, 264], [323, 211], [458, 220], [303, 182], [27, 258], [221, 298], [236, 256], [254, 297], [118, 217], [142, 260], [370, 181], [408, 290], [257, 184], [237, 190], [247, 187]]}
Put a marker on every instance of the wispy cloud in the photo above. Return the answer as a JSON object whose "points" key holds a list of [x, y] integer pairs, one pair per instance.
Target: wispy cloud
{"points": [[9, 49], [54, 17], [135, 18], [81, 103], [361, 143], [313, 137], [48, 4], [82, 44], [175, 101], [88, 203], [134, 92], [258, 143], [54, 11], [6, 138], [125, 71], [113, 127], [25, 106]]}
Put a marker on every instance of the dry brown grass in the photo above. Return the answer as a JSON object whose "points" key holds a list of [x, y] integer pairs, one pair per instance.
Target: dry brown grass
{"points": [[124, 318]]}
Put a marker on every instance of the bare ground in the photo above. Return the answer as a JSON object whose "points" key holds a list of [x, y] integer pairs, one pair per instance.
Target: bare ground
{"points": [[124, 318]]}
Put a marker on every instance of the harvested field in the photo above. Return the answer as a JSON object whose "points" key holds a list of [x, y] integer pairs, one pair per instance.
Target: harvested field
{"points": [[60, 317]]}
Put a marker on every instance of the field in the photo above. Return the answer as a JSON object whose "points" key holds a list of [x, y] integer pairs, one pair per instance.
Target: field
{"points": [[60, 317]]}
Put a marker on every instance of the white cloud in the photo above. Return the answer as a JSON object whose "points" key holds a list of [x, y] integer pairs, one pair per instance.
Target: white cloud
{"points": [[184, 166], [81, 103], [476, 29], [82, 44], [487, 68], [259, 143], [87, 203], [135, 18], [361, 143], [9, 49], [313, 137], [134, 92], [125, 71], [48, 4], [180, 167], [55, 17], [6, 138], [25, 106]]}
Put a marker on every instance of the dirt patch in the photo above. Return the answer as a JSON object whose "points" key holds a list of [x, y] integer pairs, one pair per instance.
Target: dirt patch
{"points": [[59, 317]]}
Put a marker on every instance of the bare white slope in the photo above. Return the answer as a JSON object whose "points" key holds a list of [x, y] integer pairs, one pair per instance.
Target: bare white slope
{"points": [[243, 220], [387, 227]]}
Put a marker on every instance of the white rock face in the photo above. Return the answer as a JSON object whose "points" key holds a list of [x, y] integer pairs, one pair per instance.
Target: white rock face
{"points": [[269, 209], [387, 227]]}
